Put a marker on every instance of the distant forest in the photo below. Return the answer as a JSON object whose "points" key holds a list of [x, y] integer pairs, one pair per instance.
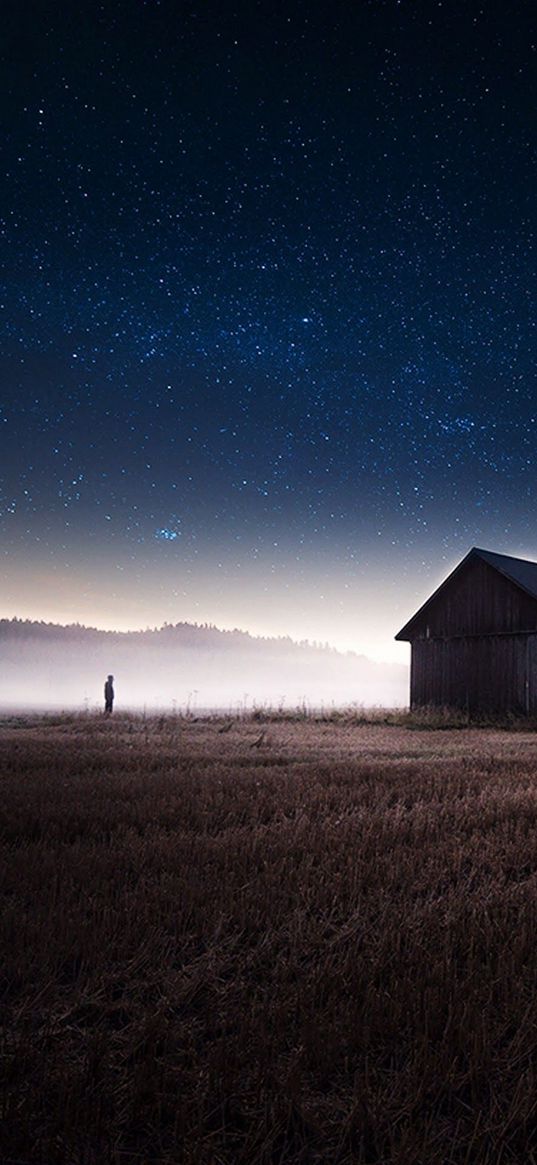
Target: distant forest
{"points": [[185, 634], [184, 665]]}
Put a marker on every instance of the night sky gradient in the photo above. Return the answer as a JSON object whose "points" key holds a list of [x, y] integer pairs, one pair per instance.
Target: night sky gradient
{"points": [[268, 286]]}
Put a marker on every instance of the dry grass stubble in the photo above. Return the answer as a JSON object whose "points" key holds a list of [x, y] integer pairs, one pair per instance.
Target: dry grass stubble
{"points": [[316, 945]]}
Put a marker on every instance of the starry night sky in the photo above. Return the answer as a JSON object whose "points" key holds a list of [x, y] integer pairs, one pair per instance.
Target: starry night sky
{"points": [[268, 309]]}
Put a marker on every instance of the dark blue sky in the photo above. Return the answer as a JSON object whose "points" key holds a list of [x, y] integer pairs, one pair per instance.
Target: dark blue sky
{"points": [[268, 285]]}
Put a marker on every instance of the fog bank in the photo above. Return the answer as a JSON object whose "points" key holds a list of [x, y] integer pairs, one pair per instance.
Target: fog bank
{"points": [[185, 667]]}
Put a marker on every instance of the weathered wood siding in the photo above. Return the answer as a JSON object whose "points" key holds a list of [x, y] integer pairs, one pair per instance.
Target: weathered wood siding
{"points": [[478, 600], [492, 673]]}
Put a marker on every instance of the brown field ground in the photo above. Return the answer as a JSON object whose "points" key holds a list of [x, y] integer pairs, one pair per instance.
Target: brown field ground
{"points": [[244, 943]]}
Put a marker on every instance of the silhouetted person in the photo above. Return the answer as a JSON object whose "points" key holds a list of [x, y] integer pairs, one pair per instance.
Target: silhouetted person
{"points": [[109, 694]]}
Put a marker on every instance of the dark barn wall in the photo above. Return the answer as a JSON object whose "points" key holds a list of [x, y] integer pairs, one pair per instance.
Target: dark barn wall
{"points": [[477, 601], [493, 673], [474, 644]]}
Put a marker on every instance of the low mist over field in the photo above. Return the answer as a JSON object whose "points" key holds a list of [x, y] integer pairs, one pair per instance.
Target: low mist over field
{"points": [[184, 666]]}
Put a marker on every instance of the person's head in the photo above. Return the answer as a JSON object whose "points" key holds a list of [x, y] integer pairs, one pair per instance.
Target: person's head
{"points": [[110, 678]]}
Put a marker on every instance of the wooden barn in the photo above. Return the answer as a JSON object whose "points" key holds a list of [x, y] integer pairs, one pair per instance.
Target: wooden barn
{"points": [[474, 642]]}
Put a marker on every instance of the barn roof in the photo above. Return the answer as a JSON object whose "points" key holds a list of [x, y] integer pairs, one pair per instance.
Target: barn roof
{"points": [[518, 570]]}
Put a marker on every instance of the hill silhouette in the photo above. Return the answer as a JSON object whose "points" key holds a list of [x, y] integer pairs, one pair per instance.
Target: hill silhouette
{"points": [[184, 665]]}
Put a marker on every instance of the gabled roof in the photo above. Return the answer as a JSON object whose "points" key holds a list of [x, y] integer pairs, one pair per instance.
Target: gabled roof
{"points": [[518, 570]]}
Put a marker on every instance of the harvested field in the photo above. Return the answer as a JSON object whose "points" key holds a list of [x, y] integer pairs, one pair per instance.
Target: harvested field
{"points": [[243, 943]]}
